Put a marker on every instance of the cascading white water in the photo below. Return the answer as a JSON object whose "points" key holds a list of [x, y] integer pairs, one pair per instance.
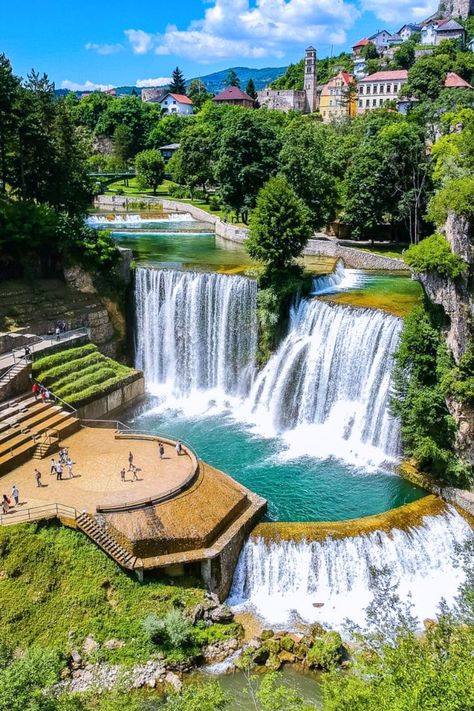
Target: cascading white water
{"points": [[283, 581], [195, 332], [328, 386], [129, 220], [341, 279]]}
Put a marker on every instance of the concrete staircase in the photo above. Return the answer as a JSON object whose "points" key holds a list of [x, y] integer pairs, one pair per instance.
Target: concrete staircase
{"points": [[88, 524], [30, 428]]}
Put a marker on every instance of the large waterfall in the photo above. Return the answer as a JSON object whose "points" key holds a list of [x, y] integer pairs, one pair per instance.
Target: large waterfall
{"points": [[329, 384], [195, 331], [330, 581]]}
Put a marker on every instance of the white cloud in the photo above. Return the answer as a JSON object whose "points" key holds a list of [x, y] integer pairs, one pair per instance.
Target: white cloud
{"points": [[159, 81], [141, 41], [87, 86], [400, 11], [104, 48], [234, 28]]}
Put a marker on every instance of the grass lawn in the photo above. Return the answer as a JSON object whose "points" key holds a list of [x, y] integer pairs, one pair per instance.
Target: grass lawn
{"points": [[392, 250], [57, 587]]}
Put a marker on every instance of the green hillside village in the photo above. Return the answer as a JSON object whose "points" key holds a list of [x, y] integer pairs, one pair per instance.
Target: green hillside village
{"points": [[237, 363]]}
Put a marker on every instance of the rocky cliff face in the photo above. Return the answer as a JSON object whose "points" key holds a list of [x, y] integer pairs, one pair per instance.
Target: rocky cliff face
{"points": [[456, 298], [455, 8]]}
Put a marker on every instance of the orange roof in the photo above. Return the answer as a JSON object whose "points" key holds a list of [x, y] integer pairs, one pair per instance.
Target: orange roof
{"points": [[395, 75], [454, 81], [361, 43], [182, 98]]}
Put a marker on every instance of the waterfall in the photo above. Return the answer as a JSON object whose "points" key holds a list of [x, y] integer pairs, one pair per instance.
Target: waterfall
{"points": [[341, 279], [327, 389], [195, 332], [330, 581], [130, 220]]}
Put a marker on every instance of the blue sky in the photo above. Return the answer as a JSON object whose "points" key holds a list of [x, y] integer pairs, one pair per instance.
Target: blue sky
{"points": [[90, 44]]}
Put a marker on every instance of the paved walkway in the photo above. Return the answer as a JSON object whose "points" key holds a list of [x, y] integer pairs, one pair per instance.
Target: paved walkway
{"points": [[11, 357], [98, 458]]}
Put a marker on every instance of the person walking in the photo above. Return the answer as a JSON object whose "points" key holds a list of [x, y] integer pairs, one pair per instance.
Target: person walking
{"points": [[135, 471], [122, 474], [70, 464], [130, 461], [43, 394], [15, 495], [58, 333], [59, 471], [5, 504], [38, 478], [179, 448], [161, 450], [53, 466], [35, 390]]}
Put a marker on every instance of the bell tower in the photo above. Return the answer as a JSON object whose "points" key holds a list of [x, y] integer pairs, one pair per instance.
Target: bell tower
{"points": [[310, 80]]}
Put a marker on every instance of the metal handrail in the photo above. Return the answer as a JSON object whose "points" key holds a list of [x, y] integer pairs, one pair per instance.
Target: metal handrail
{"points": [[161, 435], [37, 512], [69, 407], [108, 424], [7, 375]]}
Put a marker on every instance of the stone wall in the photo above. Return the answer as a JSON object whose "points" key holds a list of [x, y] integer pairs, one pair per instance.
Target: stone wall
{"points": [[130, 389]]}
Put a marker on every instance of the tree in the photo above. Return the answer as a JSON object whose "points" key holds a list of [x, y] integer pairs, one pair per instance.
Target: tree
{"points": [[123, 145], [168, 130], [425, 78], [305, 163], [280, 225], [133, 113], [150, 168], [9, 85], [247, 155], [198, 93], [404, 56], [250, 90], [369, 51], [192, 164], [178, 84], [232, 78]]}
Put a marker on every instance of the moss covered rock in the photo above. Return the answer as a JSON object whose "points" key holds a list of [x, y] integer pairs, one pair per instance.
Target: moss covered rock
{"points": [[326, 652]]}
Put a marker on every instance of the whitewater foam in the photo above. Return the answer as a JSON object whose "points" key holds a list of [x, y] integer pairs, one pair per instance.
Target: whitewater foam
{"points": [[341, 279], [130, 220]]}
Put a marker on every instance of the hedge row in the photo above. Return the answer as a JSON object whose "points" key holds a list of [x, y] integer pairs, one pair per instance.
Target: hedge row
{"points": [[58, 359], [81, 383], [91, 370], [53, 375], [95, 391]]}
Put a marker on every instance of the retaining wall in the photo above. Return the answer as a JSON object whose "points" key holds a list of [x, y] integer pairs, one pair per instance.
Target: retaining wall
{"points": [[130, 389]]}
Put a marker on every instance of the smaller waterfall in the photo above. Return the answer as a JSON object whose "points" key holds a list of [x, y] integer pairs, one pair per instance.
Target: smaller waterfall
{"points": [[327, 389], [341, 279], [196, 332], [289, 580], [128, 220]]}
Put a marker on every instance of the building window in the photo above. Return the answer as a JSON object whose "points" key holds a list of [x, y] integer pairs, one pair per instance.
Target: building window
{"points": [[369, 87], [367, 102], [395, 88], [374, 102], [360, 103], [382, 87], [361, 89]]}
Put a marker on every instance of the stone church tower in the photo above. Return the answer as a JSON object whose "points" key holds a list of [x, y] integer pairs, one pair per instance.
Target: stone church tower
{"points": [[310, 80], [456, 8]]}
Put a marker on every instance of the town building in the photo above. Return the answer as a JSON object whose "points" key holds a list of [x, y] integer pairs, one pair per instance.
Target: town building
{"points": [[305, 100], [379, 88], [360, 64], [338, 98], [168, 151], [435, 31], [176, 104], [381, 40], [235, 96], [407, 31]]}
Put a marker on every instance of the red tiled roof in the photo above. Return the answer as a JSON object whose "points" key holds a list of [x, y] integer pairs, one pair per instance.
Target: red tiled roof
{"points": [[348, 78], [454, 81], [362, 43], [233, 93], [181, 98], [395, 75]]}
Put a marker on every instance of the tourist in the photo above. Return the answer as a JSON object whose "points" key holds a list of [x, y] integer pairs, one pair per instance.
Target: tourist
{"points": [[58, 333], [47, 394], [43, 394], [70, 464], [161, 449], [179, 448], [130, 461], [15, 495], [5, 504], [122, 474], [38, 477], [135, 471], [53, 466], [59, 471], [35, 390], [27, 353]]}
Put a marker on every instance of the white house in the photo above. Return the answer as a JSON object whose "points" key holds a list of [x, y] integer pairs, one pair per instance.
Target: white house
{"points": [[381, 39], [379, 88], [176, 104], [407, 31], [435, 31]]}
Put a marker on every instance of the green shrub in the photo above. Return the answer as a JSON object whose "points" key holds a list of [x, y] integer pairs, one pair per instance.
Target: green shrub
{"points": [[84, 396], [459, 380], [214, 203], [456, 196], [434, 254], [52, 375], [173, 629], [78, 384], [57, 359], [326, 652]]}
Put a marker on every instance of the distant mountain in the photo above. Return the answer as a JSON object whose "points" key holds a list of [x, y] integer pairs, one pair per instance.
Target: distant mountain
{"points": [[214, 82], [262, 77]]}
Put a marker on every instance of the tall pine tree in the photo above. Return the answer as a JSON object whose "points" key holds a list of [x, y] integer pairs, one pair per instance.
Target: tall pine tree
{"points": [[178, 85], [232, 79], [250, 90]]}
